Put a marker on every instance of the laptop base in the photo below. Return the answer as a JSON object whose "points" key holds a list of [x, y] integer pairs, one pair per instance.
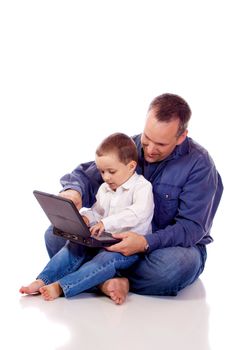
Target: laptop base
{"points": [[87, 241]]}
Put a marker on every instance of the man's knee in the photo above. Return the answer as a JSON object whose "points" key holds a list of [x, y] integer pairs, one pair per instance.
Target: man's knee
{"points": [[166, 271], [152, 278], [48, 234], [53, 243]]}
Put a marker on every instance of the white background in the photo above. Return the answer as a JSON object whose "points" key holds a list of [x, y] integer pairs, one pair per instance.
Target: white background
{"points": [[71, 72]]}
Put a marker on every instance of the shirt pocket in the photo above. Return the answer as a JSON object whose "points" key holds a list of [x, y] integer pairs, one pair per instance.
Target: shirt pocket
{"points": [[166, 199]]}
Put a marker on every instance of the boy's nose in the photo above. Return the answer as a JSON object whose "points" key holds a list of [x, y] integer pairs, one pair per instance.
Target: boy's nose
{"points": [[106, 177]]}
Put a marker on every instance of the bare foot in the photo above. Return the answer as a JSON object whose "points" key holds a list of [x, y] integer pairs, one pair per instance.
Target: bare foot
{"points": [[116, 288], [51, 291], [32, 288]]}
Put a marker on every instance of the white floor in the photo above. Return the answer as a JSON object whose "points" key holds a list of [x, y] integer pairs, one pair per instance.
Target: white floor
{"points": [[199, 318], [88, 322], [67, 72]]}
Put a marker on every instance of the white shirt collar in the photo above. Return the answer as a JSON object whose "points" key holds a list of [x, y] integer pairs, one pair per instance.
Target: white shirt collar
{"points": [[125, 186]]}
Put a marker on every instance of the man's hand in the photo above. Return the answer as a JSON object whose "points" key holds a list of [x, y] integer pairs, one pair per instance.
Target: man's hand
{"points": [[131, 243], [74, 196]]}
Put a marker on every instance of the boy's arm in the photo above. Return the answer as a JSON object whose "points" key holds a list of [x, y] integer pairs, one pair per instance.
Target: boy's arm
{"points": [[95, 213]]}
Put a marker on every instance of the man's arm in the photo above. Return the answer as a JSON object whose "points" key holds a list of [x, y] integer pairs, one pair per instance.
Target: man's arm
{"points": [[198, 202], [84, 180], [197, 205], [74, 196]]}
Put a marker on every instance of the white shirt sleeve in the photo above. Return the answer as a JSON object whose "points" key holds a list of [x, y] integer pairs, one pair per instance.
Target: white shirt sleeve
{"points": [[96, 212]]}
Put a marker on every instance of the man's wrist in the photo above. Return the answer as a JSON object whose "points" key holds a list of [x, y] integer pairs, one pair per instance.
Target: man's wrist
{"points": [[146, 246]]}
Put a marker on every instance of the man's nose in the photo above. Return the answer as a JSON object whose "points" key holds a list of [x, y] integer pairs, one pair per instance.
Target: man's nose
{"points": [[151, 149]]}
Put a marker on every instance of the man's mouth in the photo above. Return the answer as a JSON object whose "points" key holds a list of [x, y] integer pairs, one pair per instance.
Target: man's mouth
{"points": [[152, 155]]}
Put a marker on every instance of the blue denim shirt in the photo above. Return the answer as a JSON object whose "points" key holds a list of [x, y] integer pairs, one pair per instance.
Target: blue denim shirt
{"points": [[187, 190]]}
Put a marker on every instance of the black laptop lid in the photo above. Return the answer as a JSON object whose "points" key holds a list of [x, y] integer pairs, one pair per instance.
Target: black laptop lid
{"points": [[62, 213]]}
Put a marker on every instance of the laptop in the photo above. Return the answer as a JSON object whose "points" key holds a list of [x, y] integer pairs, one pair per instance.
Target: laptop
{"points": [[68, 222]]}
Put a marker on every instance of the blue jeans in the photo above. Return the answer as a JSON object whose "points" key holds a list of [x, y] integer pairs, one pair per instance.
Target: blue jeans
{"points": [[162, 272], [78, 268]]}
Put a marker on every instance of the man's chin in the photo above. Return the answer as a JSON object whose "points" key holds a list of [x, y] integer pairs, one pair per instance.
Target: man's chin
{"points": [[153, 159]]}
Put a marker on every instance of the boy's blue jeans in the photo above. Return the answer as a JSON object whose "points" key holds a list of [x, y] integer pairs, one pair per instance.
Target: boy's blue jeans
{"points": [[161, 272], [78, 268]]}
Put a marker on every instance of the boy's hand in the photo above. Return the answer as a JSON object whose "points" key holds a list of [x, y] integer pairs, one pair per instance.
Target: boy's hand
{"points": [[85, 219], [97, 229]]}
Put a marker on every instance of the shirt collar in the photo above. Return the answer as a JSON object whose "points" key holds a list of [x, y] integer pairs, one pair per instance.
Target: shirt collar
{"points": [[125, 186]]}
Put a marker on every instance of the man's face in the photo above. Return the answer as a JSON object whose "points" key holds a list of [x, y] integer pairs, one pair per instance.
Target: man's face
{"points": [[160, 138]]}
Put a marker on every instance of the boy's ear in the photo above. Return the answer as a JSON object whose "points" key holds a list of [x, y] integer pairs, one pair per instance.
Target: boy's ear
{"points": [[132, 165]]}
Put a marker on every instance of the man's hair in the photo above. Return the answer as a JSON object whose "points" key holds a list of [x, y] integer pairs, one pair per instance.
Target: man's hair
{"points": [[121, 144], [169, 107]]}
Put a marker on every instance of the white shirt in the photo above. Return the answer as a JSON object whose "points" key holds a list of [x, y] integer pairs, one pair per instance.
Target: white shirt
{"points": [[129, 208]]}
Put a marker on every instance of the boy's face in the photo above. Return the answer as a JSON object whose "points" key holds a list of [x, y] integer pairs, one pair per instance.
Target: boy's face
{"points": [[113, 172]]}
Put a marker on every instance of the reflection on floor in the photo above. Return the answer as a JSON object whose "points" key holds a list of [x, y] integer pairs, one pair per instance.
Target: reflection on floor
{"points": [[88, 321]]}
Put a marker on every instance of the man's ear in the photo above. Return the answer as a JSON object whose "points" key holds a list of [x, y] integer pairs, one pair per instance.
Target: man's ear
{"points": [[182, 137]]}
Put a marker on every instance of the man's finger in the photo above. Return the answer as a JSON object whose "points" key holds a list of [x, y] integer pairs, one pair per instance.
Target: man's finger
{"points": [[116, 247], [120, 235]]}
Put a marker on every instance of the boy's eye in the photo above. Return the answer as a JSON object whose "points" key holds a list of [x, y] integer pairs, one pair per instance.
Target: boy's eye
{"points": [[102, 172]]}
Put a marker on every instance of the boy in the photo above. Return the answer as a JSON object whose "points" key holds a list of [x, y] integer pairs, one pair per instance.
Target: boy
{"points": [[123, 202]]}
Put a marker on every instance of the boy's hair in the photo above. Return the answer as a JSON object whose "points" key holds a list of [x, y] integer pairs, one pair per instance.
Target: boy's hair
{"points": [[121, 144], [169, 107]]}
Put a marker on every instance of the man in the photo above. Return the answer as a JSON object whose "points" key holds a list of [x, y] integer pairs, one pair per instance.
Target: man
{"points": [[187, 190]]}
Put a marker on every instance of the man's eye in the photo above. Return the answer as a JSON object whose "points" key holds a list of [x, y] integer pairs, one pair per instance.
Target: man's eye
{"points": [[112, 172]]}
